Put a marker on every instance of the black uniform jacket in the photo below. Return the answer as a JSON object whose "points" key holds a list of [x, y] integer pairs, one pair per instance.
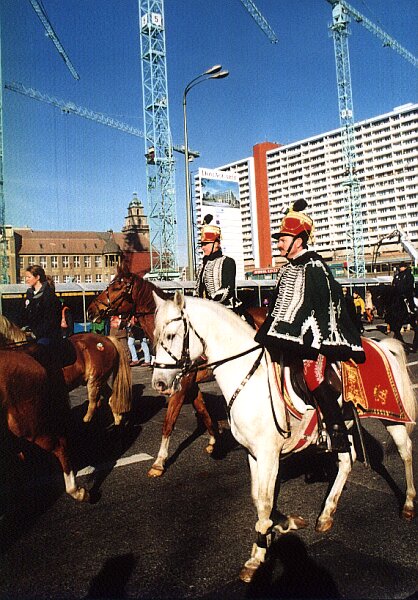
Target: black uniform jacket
{"points": [[309, 315]]}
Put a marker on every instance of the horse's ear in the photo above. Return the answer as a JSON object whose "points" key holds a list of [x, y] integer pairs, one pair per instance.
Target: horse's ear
{"points": [[158, 301], [123, 270], [179, 299]]}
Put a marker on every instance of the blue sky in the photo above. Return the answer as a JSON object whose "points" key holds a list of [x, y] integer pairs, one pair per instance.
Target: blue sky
{"points": [[67, 173]]}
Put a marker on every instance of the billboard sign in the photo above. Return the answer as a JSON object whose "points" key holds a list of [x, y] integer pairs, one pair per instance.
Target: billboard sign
{"points": [[219, 197]]}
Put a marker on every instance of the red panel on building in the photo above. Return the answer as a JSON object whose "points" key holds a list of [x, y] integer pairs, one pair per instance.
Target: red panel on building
{"points": [[263, 211]]}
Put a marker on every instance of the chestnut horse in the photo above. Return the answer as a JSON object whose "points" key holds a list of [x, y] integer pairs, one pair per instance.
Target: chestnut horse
{"points": [[28, 410], [128, 295], [96, 359]]}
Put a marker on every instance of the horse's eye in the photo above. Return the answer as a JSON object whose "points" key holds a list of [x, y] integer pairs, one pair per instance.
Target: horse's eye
{"points": [[170, 337]]}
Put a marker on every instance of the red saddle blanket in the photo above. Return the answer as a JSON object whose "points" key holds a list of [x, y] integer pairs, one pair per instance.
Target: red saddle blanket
{"points": [[371, 386]]}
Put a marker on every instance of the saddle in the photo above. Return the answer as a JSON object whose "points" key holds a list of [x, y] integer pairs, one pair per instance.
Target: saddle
{"points": [[369, 387], [57, 356]]}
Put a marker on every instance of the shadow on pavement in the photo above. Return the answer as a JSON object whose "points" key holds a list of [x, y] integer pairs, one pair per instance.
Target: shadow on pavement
{"points": [[112, 578], [300, 576]]}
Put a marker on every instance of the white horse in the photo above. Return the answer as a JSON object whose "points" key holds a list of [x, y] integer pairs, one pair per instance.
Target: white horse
{"points": [[186, 328]]}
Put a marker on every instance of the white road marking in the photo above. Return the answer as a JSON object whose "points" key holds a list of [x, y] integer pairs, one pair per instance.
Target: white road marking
{"points": [[415, 386], [128, 460], [411, 364]]}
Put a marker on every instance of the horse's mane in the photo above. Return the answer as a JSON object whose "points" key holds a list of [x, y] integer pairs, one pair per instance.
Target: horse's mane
{"points": [[9, 332], [222, 314], [145, 289]]}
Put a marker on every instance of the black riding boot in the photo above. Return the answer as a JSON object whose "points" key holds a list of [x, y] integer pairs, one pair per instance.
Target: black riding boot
{"points": [[327, 399]]}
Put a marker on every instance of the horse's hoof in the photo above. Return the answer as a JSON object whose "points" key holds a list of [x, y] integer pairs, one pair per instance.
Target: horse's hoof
{"points": [[408, 514], [291, 522], [247, 573], [117, 419], [81, 495], [209, 449], [155, 471], [249, 570], [324, 525]]}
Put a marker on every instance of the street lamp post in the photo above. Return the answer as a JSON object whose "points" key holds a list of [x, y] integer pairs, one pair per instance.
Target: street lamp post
{"points": [[214, 72]]}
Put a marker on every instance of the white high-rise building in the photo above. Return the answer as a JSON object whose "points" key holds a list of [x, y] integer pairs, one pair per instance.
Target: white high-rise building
{"points": [[313, 169]]}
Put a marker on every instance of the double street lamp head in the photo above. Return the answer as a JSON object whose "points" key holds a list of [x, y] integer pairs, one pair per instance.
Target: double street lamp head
{"points": [[220, 75], [212, 70]]}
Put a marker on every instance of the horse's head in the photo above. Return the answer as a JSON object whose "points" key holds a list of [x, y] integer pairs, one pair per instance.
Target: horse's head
{"points": [[177, 345], [116, 299]]}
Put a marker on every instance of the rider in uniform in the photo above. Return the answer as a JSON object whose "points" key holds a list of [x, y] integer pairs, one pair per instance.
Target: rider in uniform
{"points": [[216, 276], [308, 319], [404, 284]]}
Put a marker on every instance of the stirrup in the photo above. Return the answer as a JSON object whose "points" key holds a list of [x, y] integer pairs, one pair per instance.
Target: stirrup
{"points": [[323, 442]]}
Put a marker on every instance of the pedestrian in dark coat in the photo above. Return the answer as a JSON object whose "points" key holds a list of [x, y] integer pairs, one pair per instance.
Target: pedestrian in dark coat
{"points": [[42, 313]]}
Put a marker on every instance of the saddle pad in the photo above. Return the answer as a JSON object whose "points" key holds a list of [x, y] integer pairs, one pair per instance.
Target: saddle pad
{"points": [[371, 386]]}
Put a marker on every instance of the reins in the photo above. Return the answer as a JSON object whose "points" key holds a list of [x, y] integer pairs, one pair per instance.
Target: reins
{"points": [[185, 365], [11, 345]]}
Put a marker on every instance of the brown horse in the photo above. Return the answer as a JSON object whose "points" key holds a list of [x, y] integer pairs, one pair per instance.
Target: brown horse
{"points": [[28, 410], [128, 295], [96, 359]]}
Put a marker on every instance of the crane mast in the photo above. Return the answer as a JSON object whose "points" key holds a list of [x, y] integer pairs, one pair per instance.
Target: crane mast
{"points": [[341, 12], [356, 264], [160, 170]]}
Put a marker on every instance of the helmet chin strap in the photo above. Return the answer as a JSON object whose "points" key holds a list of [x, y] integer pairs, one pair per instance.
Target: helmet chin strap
{"points": [[290, 247], [213, 246]]}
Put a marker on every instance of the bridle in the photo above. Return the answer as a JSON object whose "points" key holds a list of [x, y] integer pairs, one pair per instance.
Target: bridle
{"points": [[111, 305], [186, 365]]}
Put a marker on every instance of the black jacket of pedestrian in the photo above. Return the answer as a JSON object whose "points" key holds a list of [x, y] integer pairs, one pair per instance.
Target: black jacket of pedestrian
{"points": [[42, 313]]}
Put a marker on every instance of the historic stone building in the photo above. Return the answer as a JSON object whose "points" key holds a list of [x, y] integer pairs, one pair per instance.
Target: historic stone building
{"points": [[81, 256]]}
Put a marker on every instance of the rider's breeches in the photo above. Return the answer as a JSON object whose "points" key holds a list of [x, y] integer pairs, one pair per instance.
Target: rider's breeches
{"points": [[314, 372]]}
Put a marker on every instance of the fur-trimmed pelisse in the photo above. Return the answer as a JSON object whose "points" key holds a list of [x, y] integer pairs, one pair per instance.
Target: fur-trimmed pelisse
{"points": [[295, 221]]}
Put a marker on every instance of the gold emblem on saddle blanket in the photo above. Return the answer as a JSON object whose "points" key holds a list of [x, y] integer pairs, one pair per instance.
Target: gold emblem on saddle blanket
{"points": [[371, 386]]}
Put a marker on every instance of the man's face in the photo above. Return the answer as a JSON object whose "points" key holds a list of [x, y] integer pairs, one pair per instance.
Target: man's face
{"points": [[284, 243], [209, 247]]}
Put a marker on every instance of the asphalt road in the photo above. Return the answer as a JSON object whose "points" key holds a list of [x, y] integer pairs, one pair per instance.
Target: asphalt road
{"points": [[187, 534]]}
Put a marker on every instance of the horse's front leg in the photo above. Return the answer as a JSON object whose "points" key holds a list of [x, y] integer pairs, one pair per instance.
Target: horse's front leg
{"points": [[201, 409], [175, 402], [58, 447], [263, 479], [403, 443], [326, 518], [93, 395]]}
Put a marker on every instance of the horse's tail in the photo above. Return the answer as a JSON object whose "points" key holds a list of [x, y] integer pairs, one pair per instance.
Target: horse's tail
{"points": [[408, 395], [122, 380]]}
